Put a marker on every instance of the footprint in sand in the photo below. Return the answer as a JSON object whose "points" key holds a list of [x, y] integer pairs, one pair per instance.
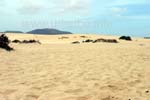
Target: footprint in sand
{"points": [[3, 97], [110, 98], [31, 97], [8, 91], [74, 91]]}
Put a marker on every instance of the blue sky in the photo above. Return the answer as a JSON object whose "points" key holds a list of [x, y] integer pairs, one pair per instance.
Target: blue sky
{"points": [[114, 17]]}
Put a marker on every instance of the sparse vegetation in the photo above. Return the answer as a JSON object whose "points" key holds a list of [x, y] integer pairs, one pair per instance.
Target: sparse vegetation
{"points": [[64, 37], [26, 41], [128, 38], [76, 42], [4, 43]]}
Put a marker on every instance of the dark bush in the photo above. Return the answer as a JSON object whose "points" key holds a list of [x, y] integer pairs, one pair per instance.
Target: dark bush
{"points": [[4, 42], [26, 41], [128, 38], [87, 41], [16, 41], [76, 42], [31, 41], [105, 40]]}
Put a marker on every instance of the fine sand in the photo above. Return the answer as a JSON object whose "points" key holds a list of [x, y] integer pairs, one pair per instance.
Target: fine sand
{"points": [[59, 70]]}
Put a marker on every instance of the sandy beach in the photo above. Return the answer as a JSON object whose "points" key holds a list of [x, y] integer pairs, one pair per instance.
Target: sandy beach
{"points": [[59, 70]]}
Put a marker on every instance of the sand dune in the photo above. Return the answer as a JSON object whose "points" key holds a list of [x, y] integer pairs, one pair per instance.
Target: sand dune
{"points": [[59, 70]]}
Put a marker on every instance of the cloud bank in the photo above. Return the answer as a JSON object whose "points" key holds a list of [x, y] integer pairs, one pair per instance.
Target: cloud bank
{"points": [[122, 13], [57, 6]]}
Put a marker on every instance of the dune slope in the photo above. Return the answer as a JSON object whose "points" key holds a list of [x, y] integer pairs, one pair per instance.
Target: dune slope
{"points": [[58, 70]]}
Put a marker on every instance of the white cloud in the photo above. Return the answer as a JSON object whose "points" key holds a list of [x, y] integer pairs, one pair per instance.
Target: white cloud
{"points": [[128, 2], [118, 9], [57, 6], [123, 8], [30, 7], [75, 5], [2, 3], [77, 8], [134, 17]]}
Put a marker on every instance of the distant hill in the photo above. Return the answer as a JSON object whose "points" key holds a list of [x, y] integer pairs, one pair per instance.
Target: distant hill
{"points": [[13, 32], [146, 37], [48, 31]]}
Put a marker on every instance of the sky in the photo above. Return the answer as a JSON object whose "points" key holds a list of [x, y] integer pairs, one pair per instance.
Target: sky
{"points": [[112, 17]]}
